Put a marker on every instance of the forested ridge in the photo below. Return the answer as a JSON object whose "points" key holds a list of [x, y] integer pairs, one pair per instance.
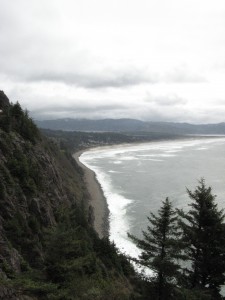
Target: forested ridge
{"points": [[131, 125], [49, 250]]}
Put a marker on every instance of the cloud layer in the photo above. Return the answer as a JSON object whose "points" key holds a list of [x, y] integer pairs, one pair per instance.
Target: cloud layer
{"points": [[153, 60]]}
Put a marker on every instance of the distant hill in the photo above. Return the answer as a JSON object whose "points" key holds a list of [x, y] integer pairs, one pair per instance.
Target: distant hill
{"points": [[130, 125]]}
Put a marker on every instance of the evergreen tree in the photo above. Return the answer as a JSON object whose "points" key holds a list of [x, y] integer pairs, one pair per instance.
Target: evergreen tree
{"points": [[204, 235], [161, 248]]}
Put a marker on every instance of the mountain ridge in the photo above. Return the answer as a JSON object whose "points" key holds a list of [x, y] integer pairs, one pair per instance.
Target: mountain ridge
{"points": [[130, 125]]}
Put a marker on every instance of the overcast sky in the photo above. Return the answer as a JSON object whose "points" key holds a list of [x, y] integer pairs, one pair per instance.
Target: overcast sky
{"points": [[159, 60]]}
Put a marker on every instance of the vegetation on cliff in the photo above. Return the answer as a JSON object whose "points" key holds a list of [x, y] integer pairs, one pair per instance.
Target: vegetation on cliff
{"points": [[48, 249]]}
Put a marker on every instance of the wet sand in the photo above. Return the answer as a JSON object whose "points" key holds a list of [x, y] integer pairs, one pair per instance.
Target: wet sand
{"points": [[97, 199]]}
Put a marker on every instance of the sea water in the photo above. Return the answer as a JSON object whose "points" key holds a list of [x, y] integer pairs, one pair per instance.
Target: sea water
{"points": [[136, 179]]}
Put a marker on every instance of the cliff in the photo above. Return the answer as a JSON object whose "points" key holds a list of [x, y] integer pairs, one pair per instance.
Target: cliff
{"points": [[48, 248]]}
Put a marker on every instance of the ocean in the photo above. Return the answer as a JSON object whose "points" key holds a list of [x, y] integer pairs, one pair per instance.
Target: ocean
{"points": [[136, 178]]}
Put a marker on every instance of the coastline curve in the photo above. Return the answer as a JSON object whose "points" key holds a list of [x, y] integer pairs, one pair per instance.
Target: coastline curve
{"points": [[96, 198]]}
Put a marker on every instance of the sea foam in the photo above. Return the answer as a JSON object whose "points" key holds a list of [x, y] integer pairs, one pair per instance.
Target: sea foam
{"points": [[117, 204]]}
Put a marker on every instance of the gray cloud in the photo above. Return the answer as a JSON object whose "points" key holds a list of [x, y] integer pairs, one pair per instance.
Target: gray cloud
{"points": [[105, 78], [36, 53], [29, 60], [183, 75], [78, 110], [30, 55], [158, 109], [32, 50], [61, 59], [167, 100]]}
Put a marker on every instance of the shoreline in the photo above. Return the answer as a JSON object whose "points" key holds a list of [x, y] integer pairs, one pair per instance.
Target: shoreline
{"points": [[96, 199]]}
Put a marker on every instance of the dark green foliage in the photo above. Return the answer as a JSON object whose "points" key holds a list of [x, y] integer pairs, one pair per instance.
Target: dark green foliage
{"points": [[34, 225], [190, 294], [161, 248], [24, 236], [13, 118], [5, 141], [72, 267], [5, 120], [5, 175], [18, 165], [22, 124], [33, 283], [2, 192], [204, 237], [23, 171], [112, 258]]}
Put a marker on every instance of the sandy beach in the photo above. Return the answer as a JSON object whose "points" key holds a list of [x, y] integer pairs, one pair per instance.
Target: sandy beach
{"points": [[97, 199]]}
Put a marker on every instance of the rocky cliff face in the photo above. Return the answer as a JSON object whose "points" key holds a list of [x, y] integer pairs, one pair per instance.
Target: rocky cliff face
{"points": [[36, 180], [48, 248]]}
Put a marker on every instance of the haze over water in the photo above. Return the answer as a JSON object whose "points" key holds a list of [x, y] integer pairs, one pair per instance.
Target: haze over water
{"points": [[136, 178]]}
